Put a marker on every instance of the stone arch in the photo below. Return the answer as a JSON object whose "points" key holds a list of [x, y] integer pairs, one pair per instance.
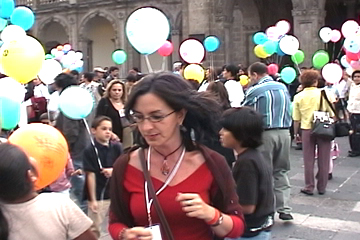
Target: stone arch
{"points": [[58, 19]]}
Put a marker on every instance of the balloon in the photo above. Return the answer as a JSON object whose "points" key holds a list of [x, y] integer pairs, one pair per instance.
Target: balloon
{"points": [[119, 56], [260, 52], [60, 48], [288, 74], [50, 69], [344, 62], [76, 103], [273, 33], [6, 8], [12, 89], [270, 47], [22, 59], [289, 44], [353, 56], [79, 55], [283, 27], [67, 47], [59, 55], [244, 80], [47, 146], [3, 23], [12, 32], [349, 28], [335, 36], [23, 17], [260, 38], [192, 51], [332, 73], [166, 49], [298, 57], [211, 43], [355, 65], [53, 51], [349, 71], [147, 29], [49, 56], [9, 112], [79, 64], [320, 58], [273, 69], [352, 44], [279, 52], [325, 34], [194, 72]]}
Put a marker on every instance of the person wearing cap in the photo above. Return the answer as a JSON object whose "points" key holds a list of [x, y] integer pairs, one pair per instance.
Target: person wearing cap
{"points": [[99, 78]]}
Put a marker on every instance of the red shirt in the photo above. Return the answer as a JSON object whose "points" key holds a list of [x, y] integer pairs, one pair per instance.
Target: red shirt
{"points": [[200, 182]]}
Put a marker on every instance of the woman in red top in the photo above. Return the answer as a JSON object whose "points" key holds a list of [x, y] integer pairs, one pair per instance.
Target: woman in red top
{"points": [[193, 183]]}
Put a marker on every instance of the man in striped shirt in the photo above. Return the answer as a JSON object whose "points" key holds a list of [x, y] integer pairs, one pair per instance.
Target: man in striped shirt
{"points": [[272, 100]]}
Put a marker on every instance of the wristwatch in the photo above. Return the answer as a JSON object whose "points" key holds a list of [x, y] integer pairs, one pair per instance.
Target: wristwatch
{"points": [[219, 221]]}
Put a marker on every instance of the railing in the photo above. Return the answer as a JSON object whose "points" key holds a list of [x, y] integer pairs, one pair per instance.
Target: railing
{"points": [[28, 3], [38, 3]]}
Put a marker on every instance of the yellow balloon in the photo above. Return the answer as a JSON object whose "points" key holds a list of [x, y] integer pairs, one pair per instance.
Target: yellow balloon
{"points": [[195, 72], [260, 52], [244, 80], [22, 59]]}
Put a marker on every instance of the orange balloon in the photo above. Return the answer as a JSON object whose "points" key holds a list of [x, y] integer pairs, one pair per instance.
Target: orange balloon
{"points": [[60, 48], [47, 146]]}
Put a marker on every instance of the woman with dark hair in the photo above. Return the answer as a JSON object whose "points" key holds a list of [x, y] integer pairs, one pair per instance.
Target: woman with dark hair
{"points": [[112, 106], [242, 131], [305, 104], [210, 76], [219, 91], [168, 113], [25, 214]]}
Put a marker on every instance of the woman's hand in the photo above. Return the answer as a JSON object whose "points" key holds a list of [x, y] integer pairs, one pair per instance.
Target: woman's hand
{"points": [[114, 137], [194, 206], [136, 233]]}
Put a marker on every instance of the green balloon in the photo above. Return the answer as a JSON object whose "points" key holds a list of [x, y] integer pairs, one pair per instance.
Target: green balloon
{"points": [[298, 57], [320, 59], [49, 56], [270, 47]]}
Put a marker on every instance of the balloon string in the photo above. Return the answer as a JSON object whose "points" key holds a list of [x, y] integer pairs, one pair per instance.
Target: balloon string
{"points": [[148, 63], [163, 64], [211, 72], [341, 49], [93, 143]]}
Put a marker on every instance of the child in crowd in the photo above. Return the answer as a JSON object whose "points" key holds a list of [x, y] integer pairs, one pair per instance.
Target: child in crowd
{"points": [[25, 214], [98, 161]]}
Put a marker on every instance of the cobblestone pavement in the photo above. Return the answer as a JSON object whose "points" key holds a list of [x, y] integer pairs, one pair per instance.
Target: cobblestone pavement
{"points": [[335, 215]]}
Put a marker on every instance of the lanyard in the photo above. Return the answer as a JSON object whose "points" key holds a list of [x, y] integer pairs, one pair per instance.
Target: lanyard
{"points": [[168, 180]]}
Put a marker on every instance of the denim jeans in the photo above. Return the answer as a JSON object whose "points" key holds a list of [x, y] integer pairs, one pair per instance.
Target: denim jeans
{"points": [[264, 235], [77, 188]]}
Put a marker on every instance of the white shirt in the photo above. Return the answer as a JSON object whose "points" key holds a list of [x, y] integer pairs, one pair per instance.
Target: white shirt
{"points": [[41, 91], [342, 87], [235, 91], [203, 86], [50, 216], [354, 99]]}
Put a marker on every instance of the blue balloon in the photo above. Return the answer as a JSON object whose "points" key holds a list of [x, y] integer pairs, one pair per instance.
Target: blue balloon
{"points": [[9, 113], [3, 23], [211, 43], [119, 56], [76, 103], [6, 8], [260, 38], [352, 44], [288, 74], [1, 43], [279, 52], [23, 17]]}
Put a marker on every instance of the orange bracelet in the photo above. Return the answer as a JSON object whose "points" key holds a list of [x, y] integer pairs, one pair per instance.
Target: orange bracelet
{"points": [[215, 219]]}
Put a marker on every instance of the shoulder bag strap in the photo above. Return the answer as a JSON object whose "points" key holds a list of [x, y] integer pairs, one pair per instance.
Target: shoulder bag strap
{"points": [[163, 221], [321, 99], [330, 104]]}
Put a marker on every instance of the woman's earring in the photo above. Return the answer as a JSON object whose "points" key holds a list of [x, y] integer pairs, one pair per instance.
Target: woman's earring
{"points": [[183, 128]]}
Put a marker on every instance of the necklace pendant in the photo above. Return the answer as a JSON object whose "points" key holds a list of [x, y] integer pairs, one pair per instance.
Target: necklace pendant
{"points": [[165, 170]]}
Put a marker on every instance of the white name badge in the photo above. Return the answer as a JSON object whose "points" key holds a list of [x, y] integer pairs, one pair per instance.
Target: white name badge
{"points": [[155, 231]]}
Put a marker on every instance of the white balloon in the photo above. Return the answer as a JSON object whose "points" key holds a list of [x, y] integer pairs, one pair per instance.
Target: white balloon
{"points": [[349, 71], [79, 55], [147, 29], [289, 44], [12, 32], [50, 69], [349, 28], [53, 51], [332, 73], [12, 89], [283, 27], [325, 34], [273, 33]]}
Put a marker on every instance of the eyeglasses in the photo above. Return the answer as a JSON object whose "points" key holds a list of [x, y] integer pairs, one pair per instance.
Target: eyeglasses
{"points": [[153, 118]]}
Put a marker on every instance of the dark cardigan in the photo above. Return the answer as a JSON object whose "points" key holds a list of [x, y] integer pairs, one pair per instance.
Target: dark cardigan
{"points": [[224, 198], [105, 108]]}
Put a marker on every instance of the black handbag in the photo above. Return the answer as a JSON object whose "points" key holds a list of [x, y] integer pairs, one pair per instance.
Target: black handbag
{"points": [[323, 127]]}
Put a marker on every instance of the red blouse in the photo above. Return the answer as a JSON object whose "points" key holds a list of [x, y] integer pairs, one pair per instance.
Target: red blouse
{"points": [[199, 182]]}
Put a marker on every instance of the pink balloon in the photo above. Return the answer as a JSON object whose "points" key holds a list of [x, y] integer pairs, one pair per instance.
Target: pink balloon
{"points": [[166, 49], [192, 51], [336, 35], [273, 33], [355, 65], [273, 69], [353, 56]]}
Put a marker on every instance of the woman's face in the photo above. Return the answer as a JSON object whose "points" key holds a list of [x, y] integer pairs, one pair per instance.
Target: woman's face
{"points": [[227, 139], [151, 107], [116, 91]]}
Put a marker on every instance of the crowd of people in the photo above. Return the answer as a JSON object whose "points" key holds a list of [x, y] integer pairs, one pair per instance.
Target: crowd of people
{"points": [[173, 157]]}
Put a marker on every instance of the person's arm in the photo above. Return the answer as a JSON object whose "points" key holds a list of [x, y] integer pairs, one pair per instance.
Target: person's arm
{"points": [[91, 189], [296, 129], [248, 209], [71, 130], [87, 235], [100, 110]]}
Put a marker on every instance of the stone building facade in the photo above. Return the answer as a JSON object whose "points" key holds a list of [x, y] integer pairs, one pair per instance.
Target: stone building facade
{"points": [[96, 27]]}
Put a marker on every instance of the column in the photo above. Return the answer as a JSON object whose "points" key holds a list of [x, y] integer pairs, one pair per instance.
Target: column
{"points": [[350, 9]]}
